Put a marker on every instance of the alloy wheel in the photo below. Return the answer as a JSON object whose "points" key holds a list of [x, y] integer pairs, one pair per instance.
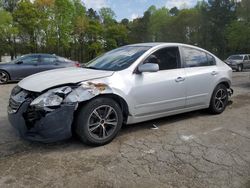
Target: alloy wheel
{"points": [[102, 122], [220, 99], [3, 77]]}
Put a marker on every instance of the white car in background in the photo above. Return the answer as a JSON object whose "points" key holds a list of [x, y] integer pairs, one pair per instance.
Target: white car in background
{"points": [[130, 84]]}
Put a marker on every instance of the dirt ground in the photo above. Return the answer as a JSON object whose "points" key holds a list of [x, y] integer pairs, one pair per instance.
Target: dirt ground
{"points": [[188, 150]]}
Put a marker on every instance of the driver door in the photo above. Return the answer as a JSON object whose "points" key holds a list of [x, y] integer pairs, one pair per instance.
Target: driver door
{"points": [[161, 91]]}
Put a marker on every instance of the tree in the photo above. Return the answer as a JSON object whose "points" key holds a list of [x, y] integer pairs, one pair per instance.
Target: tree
{"points": [[80, 24], [159, 18], [220, 13], [174, 11], [8, 33], [92, 14], [9, 5], [107, 16], [139, 29], [244, 10], [27, 18], [63, 10], [238, 36]]}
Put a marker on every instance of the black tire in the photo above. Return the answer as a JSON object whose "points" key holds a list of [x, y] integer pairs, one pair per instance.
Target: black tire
{"points": [[102, 130], [219, 99], [240, 68], [4, 77]]}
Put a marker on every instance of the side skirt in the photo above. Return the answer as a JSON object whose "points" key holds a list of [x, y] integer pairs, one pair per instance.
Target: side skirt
{"points": [[138, 119]]}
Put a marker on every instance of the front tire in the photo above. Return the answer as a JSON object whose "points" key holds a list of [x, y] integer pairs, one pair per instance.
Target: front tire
{"points": [[99, 121], [4, 77], [240, 68], [219, 99]]}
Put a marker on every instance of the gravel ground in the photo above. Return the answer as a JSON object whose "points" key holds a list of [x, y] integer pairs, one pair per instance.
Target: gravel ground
{"points": [[188, 150]]}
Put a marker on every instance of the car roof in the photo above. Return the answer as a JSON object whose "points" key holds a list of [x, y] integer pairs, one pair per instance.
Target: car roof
{"points": [[155, 44], [166, 44], [239, 54], [40, 54]]}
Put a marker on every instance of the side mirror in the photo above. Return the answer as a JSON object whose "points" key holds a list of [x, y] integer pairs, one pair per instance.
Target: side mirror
{"points": [[148, 67], [19, 62]]}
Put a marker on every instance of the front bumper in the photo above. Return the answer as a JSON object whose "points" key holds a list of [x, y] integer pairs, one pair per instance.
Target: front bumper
{"points": [[53, 126], [230, 92]]}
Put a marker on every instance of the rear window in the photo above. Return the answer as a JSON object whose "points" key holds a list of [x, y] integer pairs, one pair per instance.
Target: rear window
{"points": [[197, 58]]}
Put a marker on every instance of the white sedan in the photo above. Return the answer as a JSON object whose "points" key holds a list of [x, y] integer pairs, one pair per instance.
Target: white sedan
{"points": [[130, 84]]}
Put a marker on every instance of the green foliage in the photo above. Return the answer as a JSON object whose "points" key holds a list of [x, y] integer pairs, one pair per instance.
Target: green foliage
{"points": [[238, 35], [244, 10], [107, 15], [9, 5], [66, 28], [7, 32]]}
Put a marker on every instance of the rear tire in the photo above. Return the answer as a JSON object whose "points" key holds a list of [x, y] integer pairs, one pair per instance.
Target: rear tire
{"points": [[219, 99], [4, 77], [99, 121]]}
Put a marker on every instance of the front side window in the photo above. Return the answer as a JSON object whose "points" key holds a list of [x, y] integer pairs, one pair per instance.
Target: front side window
{"points": [[34, 59], [166, 58], [118, 59], [197, 58], [246, 57]]}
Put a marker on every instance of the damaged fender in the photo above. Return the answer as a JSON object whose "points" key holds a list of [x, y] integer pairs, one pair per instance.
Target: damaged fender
{"points": [[87, 91]]}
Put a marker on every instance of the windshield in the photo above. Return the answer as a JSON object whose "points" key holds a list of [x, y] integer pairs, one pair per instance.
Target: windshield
{"points": [[118, 59], [236, 57]]}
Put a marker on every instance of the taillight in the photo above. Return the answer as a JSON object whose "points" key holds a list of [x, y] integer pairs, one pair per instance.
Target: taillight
{"points": [[77, 64]]}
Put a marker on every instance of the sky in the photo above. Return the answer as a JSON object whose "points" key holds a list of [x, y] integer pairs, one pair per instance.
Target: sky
{"points": [[135, 8]]}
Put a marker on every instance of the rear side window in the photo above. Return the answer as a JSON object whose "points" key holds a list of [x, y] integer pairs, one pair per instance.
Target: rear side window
{"points": [[197, 58], [48, 59], [211, 60]]}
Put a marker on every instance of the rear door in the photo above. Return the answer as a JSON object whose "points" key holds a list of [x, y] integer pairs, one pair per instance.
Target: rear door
{"points": [[201, 72]]}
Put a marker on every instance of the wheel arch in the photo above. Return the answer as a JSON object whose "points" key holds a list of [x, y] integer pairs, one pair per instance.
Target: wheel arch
{"points": [[120, 101], [225, 82]]}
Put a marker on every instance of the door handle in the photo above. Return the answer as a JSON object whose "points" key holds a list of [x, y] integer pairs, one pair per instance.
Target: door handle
{"points": [[179, 79], [214, 73]]}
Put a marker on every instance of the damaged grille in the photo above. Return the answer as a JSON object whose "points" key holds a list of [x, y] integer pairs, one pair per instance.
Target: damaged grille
{"points": [[18, 97]]}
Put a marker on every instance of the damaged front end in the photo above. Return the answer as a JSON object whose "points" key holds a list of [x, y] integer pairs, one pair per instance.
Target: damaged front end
{"points": [[48, 117]]}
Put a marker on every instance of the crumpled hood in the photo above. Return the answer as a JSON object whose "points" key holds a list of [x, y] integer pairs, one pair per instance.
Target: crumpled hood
{"points": [[48, 79]]}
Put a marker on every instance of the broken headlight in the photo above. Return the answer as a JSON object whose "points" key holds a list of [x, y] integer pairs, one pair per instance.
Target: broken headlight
{"points": [[51, 98]]}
